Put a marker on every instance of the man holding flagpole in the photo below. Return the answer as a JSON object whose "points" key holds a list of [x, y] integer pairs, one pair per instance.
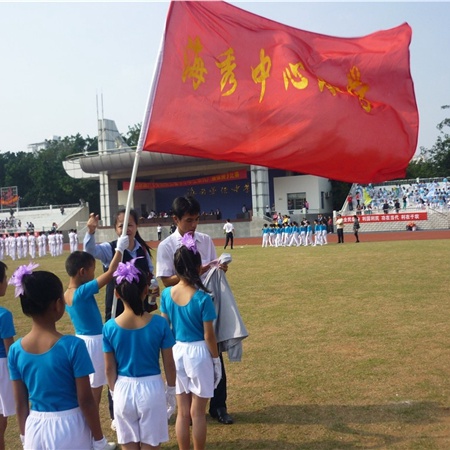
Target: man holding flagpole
{"points": [[186, 214]]}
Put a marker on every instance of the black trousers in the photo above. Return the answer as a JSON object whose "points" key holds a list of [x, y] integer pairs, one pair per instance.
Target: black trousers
{"points": [[340, 235], [220, 393], [229, 238]]}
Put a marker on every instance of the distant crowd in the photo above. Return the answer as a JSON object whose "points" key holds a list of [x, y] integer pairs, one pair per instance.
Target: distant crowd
{"points": [[217, 214], [419, 195]]}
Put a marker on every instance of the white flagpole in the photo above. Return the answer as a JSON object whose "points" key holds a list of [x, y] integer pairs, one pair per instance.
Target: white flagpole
{"points": [[142, 136]]}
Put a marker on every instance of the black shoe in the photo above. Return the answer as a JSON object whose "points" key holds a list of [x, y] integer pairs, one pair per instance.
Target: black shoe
{"points": [[222, 416]]}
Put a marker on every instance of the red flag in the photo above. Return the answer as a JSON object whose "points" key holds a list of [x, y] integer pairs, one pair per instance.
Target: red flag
{"points": [[238, 87]]}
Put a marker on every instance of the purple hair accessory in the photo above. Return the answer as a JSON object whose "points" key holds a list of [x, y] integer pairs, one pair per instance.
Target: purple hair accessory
{"points": [[17, 276], [127, 271], [189, 242]]}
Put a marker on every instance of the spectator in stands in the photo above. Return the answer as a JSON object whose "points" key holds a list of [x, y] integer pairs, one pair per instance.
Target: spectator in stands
{"points": [[405, 198], [386, 207], [397, 206], [350, 202]]}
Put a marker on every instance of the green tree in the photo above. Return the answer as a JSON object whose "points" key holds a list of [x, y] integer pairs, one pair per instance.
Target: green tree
{"points": [[440, 152], [132, 136], [41, 178], [434, 162]]}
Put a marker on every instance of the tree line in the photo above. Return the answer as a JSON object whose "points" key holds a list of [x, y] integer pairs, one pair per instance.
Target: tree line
{"points": [[40, 176]]}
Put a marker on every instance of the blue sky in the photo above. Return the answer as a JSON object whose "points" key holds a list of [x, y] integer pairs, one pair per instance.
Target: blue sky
{"points": [[56, 57]]}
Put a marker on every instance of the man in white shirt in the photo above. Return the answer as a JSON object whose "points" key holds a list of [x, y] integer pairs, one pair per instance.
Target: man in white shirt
{"points": [[229, 233], [186, 215]]}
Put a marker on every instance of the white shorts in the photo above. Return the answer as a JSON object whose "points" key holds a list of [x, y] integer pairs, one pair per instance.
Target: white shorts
{"points": [[7, 405], [195, 371], [59, 430], [140, 410], [94, 346]]}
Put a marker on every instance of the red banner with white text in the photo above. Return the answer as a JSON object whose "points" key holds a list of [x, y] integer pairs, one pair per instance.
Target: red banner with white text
{"points": [[229, 176], [394, 217]]}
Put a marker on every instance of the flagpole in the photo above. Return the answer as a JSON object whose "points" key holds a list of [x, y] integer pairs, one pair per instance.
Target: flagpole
{"points": [[140, 145]]}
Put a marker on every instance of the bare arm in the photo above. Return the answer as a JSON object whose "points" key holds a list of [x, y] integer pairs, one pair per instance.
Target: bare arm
{"points": [[111, 369], [170, 281], [22, 405], [7, 343], [169, 366], [210, 338], [89, 407], [165, 317]]}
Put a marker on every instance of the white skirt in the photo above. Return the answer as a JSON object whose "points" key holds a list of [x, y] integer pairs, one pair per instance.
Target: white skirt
{"points": [[140, 410], [59, 430]]}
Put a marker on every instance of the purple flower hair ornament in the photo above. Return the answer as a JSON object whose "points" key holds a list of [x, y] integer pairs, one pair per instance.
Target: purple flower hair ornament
{"points": [[17, 276], [127, 271], [189, 242]]}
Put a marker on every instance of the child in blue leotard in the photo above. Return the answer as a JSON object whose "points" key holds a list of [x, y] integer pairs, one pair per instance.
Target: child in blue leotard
{"points": [[7, 332], [132, 343], [50, 372], [190, 310], [83, 309]]}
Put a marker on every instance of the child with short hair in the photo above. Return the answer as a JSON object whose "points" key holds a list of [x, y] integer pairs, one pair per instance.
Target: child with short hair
{"points": [[50, 372], [7, 333], [132, 343], [189, 309], [83, 308]]}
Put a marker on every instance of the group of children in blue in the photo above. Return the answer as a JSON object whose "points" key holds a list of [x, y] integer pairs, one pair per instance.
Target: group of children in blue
{"points": [[294, 234], [57, 380]]}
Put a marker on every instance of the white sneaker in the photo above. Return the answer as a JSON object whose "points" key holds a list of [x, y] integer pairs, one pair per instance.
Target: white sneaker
{"points": [[113, 425], [110, 446]]}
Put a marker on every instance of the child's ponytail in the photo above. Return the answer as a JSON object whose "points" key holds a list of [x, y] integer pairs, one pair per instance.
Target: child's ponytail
{"points": [[130, 283], [188, 262]]}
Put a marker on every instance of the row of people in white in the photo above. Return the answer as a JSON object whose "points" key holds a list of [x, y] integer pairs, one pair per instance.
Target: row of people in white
{"points": [[73, 240], [24, 245]]}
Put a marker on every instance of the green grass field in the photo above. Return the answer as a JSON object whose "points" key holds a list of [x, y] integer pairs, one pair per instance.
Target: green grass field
{"points": [[349, 348]]}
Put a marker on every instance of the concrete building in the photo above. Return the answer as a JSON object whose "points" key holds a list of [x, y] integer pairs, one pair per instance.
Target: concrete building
{"points": [[222, 185]]}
